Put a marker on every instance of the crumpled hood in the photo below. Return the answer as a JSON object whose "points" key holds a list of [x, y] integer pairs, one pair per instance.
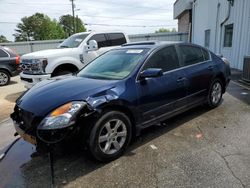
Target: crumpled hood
{"points": [[50, 94], [48, 53]]}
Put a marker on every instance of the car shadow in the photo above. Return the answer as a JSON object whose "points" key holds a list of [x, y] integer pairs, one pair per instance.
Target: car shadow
{"points": [[72, 163], [13, 97], [12, 82]]}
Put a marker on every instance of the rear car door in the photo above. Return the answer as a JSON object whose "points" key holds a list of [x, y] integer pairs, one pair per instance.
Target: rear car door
{"points": [[160, 96], [199, 69]]}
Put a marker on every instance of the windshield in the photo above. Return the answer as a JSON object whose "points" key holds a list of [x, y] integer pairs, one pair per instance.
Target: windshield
{"points": [[73, 41], [114, 65]]}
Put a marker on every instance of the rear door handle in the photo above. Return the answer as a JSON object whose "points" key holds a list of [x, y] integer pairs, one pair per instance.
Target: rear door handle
{"points": [[211, 67], [181, 79]]}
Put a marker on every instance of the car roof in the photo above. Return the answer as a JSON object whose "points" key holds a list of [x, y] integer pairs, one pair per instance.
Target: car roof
{"points": [[148, 44], [152, 45], [98, 32]]}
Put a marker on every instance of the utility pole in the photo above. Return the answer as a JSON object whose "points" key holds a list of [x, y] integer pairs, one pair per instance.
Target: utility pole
{"points": [[73, 14]]}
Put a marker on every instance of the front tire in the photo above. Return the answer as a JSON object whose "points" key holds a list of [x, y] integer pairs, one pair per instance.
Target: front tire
{"points": [[110, 136], [215, 94], [4, 78]]}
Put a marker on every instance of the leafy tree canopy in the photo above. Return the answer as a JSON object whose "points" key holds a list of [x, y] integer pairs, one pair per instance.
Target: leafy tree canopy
{"points": [[3, 39], [38, 27], [163, 30], [66, 21]]}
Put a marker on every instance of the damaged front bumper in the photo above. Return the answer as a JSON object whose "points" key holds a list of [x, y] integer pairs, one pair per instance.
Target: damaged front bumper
{"points": [[27, 126]]}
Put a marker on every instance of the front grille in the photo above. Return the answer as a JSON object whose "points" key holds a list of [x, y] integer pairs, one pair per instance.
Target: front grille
{"points": [[26, 66]]}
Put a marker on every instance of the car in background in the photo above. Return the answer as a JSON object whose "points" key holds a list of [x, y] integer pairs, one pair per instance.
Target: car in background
{"points": [[9, 65], [120, 93]]}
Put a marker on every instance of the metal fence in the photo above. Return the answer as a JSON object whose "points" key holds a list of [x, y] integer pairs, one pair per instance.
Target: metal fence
{"points": [[32, 46]]}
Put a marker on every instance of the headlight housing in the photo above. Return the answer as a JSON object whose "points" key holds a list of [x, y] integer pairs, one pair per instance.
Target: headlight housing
{"points": [[34, 66], [62, 117]]}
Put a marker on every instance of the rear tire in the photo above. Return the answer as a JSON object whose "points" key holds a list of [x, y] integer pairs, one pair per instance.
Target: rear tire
{"points": [[110, 136], [4, 78], [215, 93]]}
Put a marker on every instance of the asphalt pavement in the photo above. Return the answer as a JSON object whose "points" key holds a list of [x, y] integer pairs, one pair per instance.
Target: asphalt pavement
{"points": [[200, 148]]}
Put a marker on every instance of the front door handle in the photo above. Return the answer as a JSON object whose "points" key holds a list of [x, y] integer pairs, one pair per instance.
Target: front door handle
{"points": [[211, 67], [181, 79]]}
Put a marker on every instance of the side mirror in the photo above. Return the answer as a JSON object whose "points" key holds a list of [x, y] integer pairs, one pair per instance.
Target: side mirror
{"points": [[92, 46], [150, 73]]}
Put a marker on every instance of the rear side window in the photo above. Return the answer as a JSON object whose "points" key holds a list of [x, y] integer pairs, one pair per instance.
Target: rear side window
{"points": [[206, 55], [190, 55], [165, 59], [117, 39], [3, 53], [100, 39]]}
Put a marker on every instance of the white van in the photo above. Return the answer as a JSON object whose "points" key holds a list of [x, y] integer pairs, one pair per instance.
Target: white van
{"points": [[70, 56]]}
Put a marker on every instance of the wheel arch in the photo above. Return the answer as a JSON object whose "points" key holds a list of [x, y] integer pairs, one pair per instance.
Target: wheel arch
{"points": [[6, 70], [63, 67], [221, 77], [126, 111]]}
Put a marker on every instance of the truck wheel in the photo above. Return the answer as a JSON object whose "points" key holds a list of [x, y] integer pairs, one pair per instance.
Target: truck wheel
{"points": [[4, 78], [110, 136]]}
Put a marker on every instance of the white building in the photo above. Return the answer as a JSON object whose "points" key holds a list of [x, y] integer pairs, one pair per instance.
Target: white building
{"points": [[223, 26]]}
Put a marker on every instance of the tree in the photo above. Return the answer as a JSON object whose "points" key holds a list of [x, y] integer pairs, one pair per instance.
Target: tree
{"points": [[3, 39], [163, 30], [66, 22], [38, 27]]}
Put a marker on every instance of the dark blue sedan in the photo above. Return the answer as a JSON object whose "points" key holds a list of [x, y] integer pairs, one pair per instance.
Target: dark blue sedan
{"points": [[120, 93]]}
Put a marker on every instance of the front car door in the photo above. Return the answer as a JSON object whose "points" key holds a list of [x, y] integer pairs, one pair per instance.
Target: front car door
{"points": [[199, 69], [162, 95]]}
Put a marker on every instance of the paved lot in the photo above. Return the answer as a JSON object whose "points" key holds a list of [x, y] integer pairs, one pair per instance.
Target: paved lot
{"points": [[200, 148], [8, 95]]}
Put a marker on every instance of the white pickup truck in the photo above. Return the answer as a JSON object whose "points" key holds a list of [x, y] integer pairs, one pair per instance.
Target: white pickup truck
{"points": [[70, 56]]}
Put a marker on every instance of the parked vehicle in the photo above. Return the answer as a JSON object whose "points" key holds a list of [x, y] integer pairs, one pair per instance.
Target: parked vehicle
{"points": [[9, 63], [71, 55], [120, 93]]}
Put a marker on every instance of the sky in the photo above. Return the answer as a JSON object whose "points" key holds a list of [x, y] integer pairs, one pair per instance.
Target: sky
{"points": [[129, 16]]}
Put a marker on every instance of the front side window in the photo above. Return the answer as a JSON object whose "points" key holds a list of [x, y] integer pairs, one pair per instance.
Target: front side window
{"points": [[117, 39], [165, 59], [190, 55], [73, 41], [100, 39], [114, 65], [228, 36]]}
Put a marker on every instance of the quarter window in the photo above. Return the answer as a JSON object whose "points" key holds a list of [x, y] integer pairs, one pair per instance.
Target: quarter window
{"points": [[228, 36], [190, 55], [205, 55], [3, 53], [165, 59], [100, 39], [117, 39]]}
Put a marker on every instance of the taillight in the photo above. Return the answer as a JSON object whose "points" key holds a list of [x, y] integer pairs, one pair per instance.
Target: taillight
{"points": [[17, 60]]}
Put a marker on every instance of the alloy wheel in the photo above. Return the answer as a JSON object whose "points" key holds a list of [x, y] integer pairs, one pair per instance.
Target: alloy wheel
{"points": [[112, 136], [3, 78], [216, 93]]}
